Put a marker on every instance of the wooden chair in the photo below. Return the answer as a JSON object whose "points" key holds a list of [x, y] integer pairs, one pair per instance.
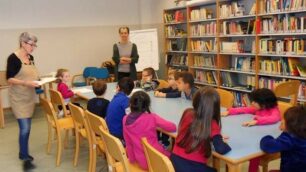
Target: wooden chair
{"points": [[226, 98], [58, 125], [116, 152], [82, 130], [95, 122], [58, 100], [266, 159], [3, 85], [157, 162], [162, 84], [288, 88]]}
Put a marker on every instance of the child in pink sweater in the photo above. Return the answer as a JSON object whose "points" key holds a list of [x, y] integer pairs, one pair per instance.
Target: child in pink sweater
{"points": [[263, 107], [265, 110], [142, 123]]}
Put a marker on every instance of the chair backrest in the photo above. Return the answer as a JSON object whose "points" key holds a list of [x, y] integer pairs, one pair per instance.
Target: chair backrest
{"points": [[162, 84], [57, 99], [3, 81], [115, 149], [157, 162], [49, 110], [226, 98], [78, 117], [96, 122], [87, 72], [288, 88], [283, 107], [100, 73]]}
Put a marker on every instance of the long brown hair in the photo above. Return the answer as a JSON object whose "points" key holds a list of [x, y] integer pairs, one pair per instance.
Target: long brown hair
{"points": [[206, 108]]}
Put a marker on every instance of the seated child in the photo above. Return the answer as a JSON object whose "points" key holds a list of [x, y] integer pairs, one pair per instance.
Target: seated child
{"points": [[98, 105], [171, 91], [263, 106], [148, 80], [265, 110], [63, 78], [141, 122], [185, 84], [117, 107], [199, 130], [292, 141]]}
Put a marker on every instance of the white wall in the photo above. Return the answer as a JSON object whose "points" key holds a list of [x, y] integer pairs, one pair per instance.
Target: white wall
{"points": [[74, 33]]}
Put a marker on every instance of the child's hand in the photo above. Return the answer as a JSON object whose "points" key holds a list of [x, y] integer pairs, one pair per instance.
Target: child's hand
{"points": [[249, 123], [225, 113], [159, 94], [225, 138]]}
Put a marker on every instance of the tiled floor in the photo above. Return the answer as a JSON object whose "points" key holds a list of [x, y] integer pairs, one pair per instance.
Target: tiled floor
{"points": [[9, 161]]}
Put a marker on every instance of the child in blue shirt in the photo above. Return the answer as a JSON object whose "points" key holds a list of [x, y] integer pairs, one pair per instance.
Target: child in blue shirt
{"points": [[98, 105], [117, 107], [292, 141]]}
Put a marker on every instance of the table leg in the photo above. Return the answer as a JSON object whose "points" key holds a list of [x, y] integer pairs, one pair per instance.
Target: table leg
{"points": [[1, 113], [234, 167], [45, 91]]}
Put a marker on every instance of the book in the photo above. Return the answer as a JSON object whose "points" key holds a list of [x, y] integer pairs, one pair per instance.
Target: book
{"points": [[301, 69], [203, 29], [204, 61]]}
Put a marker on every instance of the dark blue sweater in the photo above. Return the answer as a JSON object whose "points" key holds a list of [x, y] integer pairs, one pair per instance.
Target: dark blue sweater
{"points": [[293, 151]]}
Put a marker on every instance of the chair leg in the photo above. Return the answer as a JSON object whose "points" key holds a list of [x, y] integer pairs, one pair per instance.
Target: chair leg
{"points": [[265, 167], [66, 139], [49, 139], [59, 149], [94, 159], [77, 149], [90, 163]]}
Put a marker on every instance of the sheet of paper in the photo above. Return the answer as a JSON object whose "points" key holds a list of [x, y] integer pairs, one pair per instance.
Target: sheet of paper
{"points": [[82, 90], [45, 80]]}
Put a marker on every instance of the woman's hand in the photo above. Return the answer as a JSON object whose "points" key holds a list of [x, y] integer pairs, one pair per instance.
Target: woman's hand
{"points": [[225, 113], [125, 60], [249, 123], [31, 84]]}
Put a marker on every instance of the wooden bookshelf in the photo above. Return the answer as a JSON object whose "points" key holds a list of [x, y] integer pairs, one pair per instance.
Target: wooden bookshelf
{"points": [[204, 22]]}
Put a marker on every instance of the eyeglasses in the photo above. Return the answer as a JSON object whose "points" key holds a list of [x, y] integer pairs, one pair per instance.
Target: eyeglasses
{"points": [[32, 45]]}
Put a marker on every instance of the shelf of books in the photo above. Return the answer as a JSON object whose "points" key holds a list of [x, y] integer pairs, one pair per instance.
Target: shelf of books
{"points": [[239, 45]]}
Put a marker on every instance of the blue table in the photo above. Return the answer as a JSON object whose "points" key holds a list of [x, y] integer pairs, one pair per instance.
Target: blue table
{"points": [[244, 141]]}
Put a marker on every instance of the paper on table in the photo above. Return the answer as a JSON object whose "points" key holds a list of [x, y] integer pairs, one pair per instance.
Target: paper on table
{"points": [[45, 80], [81, 90]]}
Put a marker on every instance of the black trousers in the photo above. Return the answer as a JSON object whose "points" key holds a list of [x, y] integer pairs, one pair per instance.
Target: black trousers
{"points": [[122, 75]]}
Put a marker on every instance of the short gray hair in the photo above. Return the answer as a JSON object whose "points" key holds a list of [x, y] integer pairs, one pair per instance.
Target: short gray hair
{"points": [[26, 37]]}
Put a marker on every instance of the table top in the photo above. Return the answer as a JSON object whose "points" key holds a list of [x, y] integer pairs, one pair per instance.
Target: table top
{"points": [[244, 141]]}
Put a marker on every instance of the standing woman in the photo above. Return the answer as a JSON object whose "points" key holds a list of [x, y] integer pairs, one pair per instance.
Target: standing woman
{"points": [[125, 56], [21, 74]]}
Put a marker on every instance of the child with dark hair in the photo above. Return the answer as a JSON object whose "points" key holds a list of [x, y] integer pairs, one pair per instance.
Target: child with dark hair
{"points": [[142, 123], [148, 79], [292, 141], [265, 110], [264, 107], [98, 105], [185, 84], [117, 107], [199, 129]]}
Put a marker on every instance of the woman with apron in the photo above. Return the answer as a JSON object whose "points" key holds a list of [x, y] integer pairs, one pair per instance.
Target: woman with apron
{"points": [[125, 56], [21, 74]]}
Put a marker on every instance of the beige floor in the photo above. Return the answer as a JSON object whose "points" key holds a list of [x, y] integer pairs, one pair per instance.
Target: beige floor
{"points": [[9, 161]]}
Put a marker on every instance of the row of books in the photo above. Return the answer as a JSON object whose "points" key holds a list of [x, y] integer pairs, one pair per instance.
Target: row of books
{"points": [[177, 45], [230, 10], [208, 77], [177, 59], [287, 23], [289, 46], [201, 14], [204, 45], [203, 29], [241, 99], [232, 47], [270, 6], [231, 80], [244, 63], [238, 27], [204, 61], [282, 66], [175, 31], [176, 16]]}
